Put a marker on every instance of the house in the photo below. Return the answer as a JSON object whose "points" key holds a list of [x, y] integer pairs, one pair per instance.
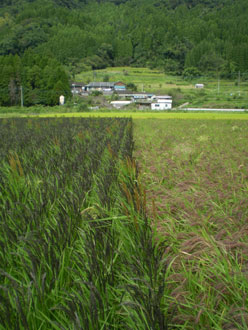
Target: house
{"points": [[119, 86], [161, 102], [131, 94], [147, 100], [135, 96], [77, 87], [199, 85], [138, 96], [125, 94], [105, 86], [99, 86]]}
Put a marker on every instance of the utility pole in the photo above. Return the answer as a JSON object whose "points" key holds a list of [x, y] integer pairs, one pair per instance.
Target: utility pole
{"points": [[239, 82], [21, 88], [74, 92]]}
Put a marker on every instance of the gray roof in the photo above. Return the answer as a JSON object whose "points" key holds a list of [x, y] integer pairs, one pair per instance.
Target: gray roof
{"points": [[168, 97], [132, 93], [101, 84], [77, 84], [125, 92]]}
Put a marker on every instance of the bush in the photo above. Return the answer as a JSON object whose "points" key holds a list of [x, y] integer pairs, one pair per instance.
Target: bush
{"points": [[83, 108], [106, 78], [96, 93], [191, 72], [132, 87]]}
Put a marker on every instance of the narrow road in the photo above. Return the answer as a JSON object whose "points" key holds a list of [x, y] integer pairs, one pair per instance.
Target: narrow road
{"points": [[208, 109]]}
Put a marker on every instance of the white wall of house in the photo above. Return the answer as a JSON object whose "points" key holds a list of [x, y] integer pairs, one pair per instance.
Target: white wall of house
{"points": [[161, 105]]}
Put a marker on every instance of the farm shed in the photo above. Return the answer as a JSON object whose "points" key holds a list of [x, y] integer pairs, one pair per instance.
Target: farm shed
{"points": [[77, 87], [199, 85]]}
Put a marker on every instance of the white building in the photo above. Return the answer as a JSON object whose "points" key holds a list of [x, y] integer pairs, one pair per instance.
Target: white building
{"points": [[161, 102], [61, 100], [199, 85], [120, 104]]}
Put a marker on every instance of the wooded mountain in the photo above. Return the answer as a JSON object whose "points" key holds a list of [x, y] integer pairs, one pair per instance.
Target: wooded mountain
{"points": [[180, 36]]}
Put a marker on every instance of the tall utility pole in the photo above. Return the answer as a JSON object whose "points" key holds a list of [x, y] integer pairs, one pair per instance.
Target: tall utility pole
{"points": [[74, 92], [239, 82], [21, 88]]}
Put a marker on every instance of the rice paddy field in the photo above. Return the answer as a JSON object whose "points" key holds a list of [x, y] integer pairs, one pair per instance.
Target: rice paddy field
{"points": [[195, 173], [124, 223]]}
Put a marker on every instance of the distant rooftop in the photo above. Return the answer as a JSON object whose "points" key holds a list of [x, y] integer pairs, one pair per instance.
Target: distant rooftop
{"points": [[167, 97], [125, 92], [77, 84], [101, 84]]}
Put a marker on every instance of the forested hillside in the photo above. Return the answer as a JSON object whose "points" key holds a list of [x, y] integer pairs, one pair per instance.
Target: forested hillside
{"points": [[178, 36]]}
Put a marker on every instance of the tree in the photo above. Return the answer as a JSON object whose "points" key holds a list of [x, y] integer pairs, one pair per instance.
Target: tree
{"points": [[191, 72], [172, 66], [132, 87], [228, 69], [82, 34]]}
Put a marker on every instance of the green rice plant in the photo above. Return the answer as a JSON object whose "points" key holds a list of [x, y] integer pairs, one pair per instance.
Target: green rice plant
{"points": [[77, 248]]}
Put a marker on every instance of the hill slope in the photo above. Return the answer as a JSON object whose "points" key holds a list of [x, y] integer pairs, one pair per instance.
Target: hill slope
{"points": [[208, 34], [179, 36]]}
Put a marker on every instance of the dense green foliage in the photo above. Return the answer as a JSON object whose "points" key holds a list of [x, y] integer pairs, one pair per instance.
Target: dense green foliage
{"points": [[42, 79], [182, 36], [76, 248], [208, 34]]}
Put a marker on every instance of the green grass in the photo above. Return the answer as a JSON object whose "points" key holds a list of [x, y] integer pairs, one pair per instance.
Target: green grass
{"points": [[77, 250], [196, 179], [136, 115]]}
